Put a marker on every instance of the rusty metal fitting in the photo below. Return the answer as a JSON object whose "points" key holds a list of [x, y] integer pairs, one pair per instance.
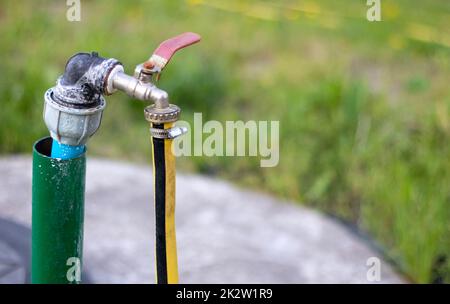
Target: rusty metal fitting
{"points": [[73, 107]]}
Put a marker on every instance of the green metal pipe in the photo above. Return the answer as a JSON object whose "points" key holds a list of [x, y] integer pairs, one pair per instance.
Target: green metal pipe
{"points": [[57, 216]]}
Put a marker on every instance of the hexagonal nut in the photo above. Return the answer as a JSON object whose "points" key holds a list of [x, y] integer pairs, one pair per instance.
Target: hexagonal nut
{"points": [[71, 126]]}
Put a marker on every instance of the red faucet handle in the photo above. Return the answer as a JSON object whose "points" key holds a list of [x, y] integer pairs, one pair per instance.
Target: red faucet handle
{"points": [[162, 55]]}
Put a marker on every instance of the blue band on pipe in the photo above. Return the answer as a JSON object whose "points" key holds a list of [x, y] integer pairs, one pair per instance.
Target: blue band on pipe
{"points": [[63, 151]]}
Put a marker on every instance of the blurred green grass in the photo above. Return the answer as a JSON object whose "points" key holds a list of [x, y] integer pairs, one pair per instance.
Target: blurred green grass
{"points": [[364, 108]]}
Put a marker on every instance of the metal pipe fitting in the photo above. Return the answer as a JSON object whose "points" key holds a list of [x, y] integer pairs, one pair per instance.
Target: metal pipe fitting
{"points": [[73, 108], [70, 125]]}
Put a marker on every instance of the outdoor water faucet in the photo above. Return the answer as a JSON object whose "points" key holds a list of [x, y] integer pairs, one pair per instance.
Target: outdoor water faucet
{"points": [[73, 108], [135, 87], [141, 84]]}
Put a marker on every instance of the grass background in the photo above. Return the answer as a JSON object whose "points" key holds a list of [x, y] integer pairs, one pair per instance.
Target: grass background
{"points": [[364, 108]]}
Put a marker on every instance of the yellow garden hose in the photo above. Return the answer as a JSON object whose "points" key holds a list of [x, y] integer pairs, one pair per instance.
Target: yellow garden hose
{"points": [[162, 115], [164, 200]]}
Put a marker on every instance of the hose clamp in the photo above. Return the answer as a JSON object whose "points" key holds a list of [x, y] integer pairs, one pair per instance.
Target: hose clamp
{"points": [[168, 133]]}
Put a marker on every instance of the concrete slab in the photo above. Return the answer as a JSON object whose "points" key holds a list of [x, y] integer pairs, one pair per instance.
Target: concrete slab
{"points": [[225, 234]]}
